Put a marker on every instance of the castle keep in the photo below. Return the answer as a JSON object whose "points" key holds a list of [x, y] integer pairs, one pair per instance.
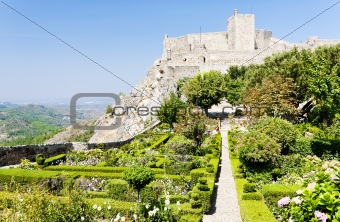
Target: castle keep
{"points": [[241, 44]]}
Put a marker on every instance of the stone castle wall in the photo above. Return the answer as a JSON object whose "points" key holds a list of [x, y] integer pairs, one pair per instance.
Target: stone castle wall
{"points": [[188, 55]]}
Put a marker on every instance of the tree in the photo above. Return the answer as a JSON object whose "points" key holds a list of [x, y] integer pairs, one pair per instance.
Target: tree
{"points": [[169, 109], [193, 126], [138, 178], [275, 96], [205, 89]]}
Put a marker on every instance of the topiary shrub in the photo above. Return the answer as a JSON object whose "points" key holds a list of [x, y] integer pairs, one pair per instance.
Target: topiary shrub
{"points": [[138, 177], [249, 188], [210, 168], [117, 189], [252, 196], [203, 187], [40, 159]]}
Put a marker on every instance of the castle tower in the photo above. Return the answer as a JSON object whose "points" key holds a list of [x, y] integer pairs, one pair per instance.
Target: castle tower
{"points": [[241, 32]]}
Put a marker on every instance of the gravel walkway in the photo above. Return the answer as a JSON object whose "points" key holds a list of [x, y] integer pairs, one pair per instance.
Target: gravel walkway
{"points": [[225, 205]]}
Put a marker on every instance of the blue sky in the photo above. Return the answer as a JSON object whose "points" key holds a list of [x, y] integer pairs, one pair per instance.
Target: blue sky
{"points": [[125, 36]]}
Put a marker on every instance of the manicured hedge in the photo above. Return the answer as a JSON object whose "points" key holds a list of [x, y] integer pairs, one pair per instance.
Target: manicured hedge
{"points": [[196, 174], [251, 210], [162, 140], [325, 147], [274, 192], [117, 189], [95, 169], [255, 211], [97, 194], [252, 196], [24, 176], [55, 160]]}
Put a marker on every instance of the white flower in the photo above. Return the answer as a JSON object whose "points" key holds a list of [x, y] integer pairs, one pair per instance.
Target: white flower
{"points": [[95, 206], [297, 200], [122, 219], [167, 197], [151, 213], [311, 186], [109, 207], [290, 219], [147, 206], [99, 208], [299, 192], [115, 220], [82, 218], [178, 203], [167, 202], [135, 216], [165, 208]]}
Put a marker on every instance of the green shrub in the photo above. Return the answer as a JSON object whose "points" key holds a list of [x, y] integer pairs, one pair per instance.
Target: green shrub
{"points": [[203, 187], [152, 192], [249, 188], [97, 194], [258, 151], [196, 204], [252, 196], [55, 160], [302, 146], [210, 168], [181, 145], [272, 193], [117, 189], [282, 131], [196, 174], [255, 211], [323, 147], [202, 181], [40, 159], [102, 164]]}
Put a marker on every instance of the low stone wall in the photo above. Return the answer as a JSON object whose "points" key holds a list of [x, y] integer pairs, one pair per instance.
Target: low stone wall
{"points": [[12, 155]]}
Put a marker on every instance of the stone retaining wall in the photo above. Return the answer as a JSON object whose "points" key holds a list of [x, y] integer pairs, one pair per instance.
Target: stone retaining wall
{"points": [[12, 155]]}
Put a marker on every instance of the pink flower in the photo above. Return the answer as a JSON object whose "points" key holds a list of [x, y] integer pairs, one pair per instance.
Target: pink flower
{"points": [[197, 137], [320, 216], [284, 201]]}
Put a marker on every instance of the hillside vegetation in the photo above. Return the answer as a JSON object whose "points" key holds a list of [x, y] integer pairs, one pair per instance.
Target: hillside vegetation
{"points": [[29, 124]]}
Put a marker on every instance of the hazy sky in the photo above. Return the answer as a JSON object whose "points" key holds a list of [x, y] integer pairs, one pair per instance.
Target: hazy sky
{"points": [[124, 36]]}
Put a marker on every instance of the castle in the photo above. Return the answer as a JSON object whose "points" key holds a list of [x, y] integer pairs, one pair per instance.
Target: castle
{"points": [[241, 44]]}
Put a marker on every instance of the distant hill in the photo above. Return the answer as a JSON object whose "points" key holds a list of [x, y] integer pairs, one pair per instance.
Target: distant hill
{"points": [[28, 121]]}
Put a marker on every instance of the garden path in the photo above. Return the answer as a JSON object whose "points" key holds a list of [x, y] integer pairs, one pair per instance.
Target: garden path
{"points": [[225, 206]]}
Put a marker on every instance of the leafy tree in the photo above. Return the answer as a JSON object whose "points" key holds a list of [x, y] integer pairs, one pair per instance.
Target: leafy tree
{"points": [[205, 89], [169, 109], [180, 85], [138, 178], [235, 83], [275, 96]]}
